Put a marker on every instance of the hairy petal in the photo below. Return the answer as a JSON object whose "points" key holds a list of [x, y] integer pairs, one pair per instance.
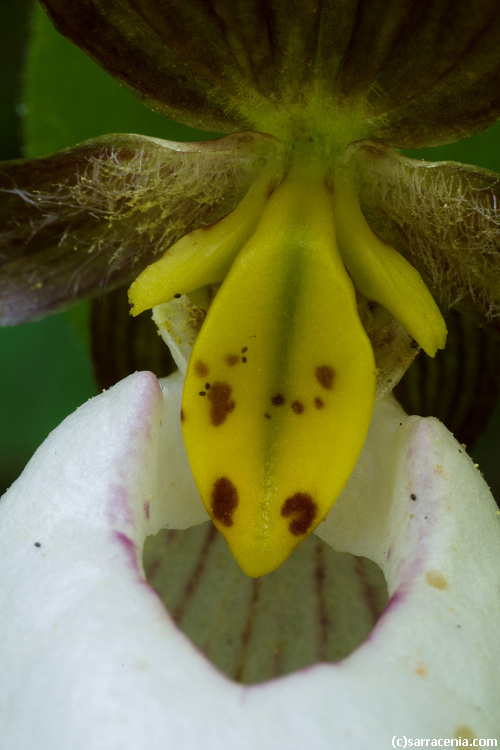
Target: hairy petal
{"points": [[443, 216], [90, 218]]}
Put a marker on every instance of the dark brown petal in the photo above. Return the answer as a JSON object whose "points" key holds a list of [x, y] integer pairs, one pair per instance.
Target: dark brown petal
{"points": [[199, 62], [430, 68], [460, 386], [217, 64], [444, 218], [122, 344], [422, 71], [90, 218], [138, 42]]}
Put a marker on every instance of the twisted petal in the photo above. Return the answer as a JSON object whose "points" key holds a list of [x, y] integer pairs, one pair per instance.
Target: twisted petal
{"points": [[90, 218], [443, 216], [76, 614], [421, 72]]}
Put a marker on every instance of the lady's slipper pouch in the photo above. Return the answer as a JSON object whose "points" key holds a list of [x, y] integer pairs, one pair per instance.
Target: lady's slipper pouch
{"points": [[92, 659]]}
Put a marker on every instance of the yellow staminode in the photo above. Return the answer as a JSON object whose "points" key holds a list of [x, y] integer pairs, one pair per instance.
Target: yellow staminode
{"points": [[280, 386]]}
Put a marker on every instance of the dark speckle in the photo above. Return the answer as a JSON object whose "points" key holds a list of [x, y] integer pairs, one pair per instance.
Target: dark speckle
{"points": [[202, 393], [245, 349], [224, 500], [325, 375], [267, 416], [304, 510], [207, 386], [222, 405], [318, 402], [231, 359], [201, 368], [413, 496], [183, 416], [176, 296], [38, 544], [278, 400], [297, 407], [244, 359]]}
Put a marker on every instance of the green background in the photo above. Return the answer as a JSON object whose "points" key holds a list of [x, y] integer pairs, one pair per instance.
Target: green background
{"points": [[53, 96]]}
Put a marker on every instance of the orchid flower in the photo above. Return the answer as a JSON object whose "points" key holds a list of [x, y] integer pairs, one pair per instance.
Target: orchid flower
{"points": [[289, 266], [273, 231]]}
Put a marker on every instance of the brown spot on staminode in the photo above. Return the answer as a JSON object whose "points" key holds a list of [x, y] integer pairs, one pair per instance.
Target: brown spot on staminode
{"points": [[201, 368], [224, 500], [297, 407], [278, 400], [318, 402], [231, 359], [267, 416], [221, 403], [303, 508], [436, 579], [183, 416], [325, 375]]}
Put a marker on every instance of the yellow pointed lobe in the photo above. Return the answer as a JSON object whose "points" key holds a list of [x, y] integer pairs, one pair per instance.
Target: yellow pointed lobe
{"points": [[204, 256], [382, 274]]}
